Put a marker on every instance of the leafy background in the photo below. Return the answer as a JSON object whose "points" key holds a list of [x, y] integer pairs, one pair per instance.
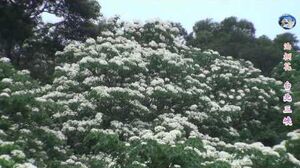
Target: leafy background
{"points": [[108, 93]]}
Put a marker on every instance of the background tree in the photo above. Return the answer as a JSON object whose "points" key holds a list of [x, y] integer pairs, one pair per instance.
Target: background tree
{"points": [[293, 77], [28, 41], [211, 35], [137, 96], [15, 27], [237, 38], [203, 34], [129, 99], [286, 37]]}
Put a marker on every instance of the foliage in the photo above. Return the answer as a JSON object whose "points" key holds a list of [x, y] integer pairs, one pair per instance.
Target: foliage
{"points": [[139, 97], [31, 43], [293, 77], [236, 38]]}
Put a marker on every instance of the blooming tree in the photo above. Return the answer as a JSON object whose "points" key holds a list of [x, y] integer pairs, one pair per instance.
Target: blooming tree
{"points": [[137, 96]]}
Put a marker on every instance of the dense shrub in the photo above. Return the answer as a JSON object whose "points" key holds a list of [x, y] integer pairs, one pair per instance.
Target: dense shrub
{"points": [[139, 97]]}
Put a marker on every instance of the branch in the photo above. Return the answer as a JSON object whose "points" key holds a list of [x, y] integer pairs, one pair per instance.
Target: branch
{"points": [[12, 2], [40, 11]]}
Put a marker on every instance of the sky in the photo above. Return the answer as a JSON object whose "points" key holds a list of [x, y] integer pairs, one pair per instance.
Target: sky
{"points": [[264, 14]]}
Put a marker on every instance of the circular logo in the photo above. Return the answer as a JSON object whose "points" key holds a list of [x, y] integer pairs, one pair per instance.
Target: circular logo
{"points": [[287, 21]]}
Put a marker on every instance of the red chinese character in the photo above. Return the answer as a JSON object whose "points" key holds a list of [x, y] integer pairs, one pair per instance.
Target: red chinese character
{"points": [[287, 98], [287, 66], [287, 109], [287, 46], [287, 86], [287, 56], [287, 121]]}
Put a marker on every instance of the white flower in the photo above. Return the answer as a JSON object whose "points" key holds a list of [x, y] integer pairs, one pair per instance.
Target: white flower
{"points": [[98, 117], [24, 72], [158, 81], [90, 41], [281, 146], [58, 134], [177, 166], [159, 128], [193, 107], [293, 159], [5, 157], [4, 95], [7, 80], [297, 104], [4, 59], [18, 154], [153, 44], [294, 135], [25, 165], [40, 99]]}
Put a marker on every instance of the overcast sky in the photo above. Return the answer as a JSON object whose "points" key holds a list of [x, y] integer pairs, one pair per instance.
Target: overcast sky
{"points": [[263, 13]]}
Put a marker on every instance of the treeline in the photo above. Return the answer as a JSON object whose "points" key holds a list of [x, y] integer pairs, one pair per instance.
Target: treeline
{"points": [[31, 43], [237, 38]]}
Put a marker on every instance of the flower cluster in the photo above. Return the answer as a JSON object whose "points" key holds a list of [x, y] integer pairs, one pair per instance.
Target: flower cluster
{"points": [[137, 96]]}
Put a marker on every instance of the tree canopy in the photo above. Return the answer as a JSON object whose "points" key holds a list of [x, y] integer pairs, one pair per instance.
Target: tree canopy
{"points": [[236, 38], [104, 93], [31, 43], [139, 97]]}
